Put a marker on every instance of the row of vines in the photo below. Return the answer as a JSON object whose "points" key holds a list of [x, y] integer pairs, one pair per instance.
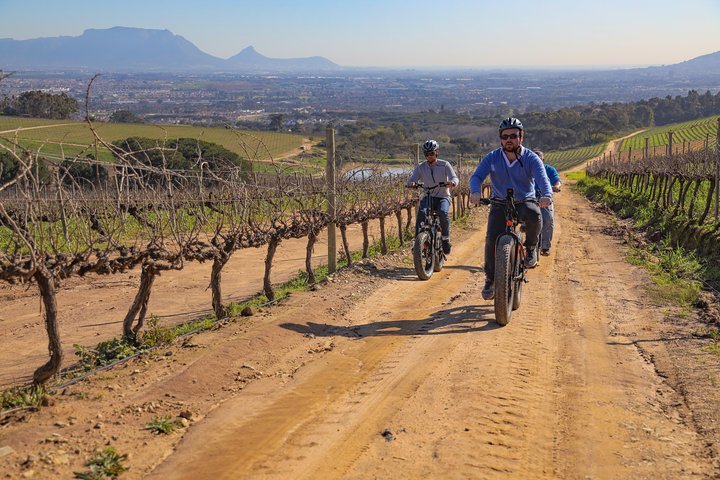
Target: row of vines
{"points": [[680, 185], [153, 218]]}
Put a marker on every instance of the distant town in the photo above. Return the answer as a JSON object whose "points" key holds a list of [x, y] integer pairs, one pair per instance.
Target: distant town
{"points": [[231, 98]]}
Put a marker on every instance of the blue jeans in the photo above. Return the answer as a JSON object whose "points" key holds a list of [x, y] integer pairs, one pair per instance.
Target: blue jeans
{"points": [[442, 206], [548, 225]]}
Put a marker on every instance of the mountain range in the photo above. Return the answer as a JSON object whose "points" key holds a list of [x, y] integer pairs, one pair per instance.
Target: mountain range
{"points": [[132, 49], [124, 49]]}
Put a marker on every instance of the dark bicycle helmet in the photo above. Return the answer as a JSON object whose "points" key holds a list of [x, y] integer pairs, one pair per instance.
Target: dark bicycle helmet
{"points": [[511, 122], [430, 146]]}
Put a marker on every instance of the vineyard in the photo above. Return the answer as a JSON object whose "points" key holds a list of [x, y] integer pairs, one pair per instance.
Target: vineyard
{"points": [[681, 138], [156, 219], [565, 159], [682, 187]]}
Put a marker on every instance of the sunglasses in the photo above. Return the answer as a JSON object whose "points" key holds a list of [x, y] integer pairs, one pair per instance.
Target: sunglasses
{"points": [[431, 154], [511, 136]]}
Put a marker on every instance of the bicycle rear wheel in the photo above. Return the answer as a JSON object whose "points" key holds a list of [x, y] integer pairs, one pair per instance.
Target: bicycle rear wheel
{"points": [[423, 256], [504, 281]]}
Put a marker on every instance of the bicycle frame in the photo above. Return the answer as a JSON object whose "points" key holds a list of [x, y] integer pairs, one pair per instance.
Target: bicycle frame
{"points": [[427, 253], [510, 270]]}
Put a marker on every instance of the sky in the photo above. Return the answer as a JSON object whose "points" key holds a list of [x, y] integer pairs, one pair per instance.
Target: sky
{"points": [[402, 33]]}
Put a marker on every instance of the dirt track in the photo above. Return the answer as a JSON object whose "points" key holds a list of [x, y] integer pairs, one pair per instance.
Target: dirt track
{"points": [[379, 375]]}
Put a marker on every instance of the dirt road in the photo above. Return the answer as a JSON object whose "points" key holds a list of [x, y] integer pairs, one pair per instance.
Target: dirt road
{"points": [[379, 375]]}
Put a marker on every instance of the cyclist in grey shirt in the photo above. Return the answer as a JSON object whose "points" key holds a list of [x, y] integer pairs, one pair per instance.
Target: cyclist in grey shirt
{"points": [[433, 172]]}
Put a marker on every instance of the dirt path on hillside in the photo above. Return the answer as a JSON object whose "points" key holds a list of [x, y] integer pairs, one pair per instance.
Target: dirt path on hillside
{"points": [[613, 147], [380, 375], [553, 395]]}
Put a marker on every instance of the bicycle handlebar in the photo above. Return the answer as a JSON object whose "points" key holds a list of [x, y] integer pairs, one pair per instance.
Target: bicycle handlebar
{"points": [[503, 202], [421, 185]]}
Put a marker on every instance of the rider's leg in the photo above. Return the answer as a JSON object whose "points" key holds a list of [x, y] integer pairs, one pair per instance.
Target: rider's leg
{"points": [[420, 217], [442, 205], [548, 225], [496, 226], [530, 214]]}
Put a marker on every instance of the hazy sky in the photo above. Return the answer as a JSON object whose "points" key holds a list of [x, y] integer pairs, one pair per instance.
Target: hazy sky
{"points": [[402, 33]]}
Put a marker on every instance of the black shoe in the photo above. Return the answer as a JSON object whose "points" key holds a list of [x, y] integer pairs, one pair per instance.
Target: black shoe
{"points": [[446, 247], [488, 292], [531, 259], [545, 252]]}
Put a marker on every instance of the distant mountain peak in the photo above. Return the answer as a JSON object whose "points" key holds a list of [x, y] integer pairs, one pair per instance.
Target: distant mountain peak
{"points": [[128, 48]]}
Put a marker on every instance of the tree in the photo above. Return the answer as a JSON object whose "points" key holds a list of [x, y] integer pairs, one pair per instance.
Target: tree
{"points": [[36, 103], [125, 116], [276, 121], [181, 154]]}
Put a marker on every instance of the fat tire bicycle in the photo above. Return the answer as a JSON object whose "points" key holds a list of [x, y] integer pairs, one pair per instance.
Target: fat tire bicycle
{"points": [[510, 266], [428, 255]]}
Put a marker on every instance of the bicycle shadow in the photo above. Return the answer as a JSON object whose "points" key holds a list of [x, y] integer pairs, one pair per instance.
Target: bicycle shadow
{"points": [[407, 274], [466, 319]]}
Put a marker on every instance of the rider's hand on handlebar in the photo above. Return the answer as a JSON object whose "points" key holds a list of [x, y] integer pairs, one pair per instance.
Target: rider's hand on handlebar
{"points": [[475, 198], [545, 202]]}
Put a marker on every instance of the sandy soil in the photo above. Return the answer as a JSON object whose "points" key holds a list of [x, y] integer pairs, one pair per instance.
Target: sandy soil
{"points": [[92, 308], [380, 375]]}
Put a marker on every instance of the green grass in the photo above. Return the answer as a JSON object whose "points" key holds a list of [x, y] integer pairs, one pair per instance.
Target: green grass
{"points": [[714, 345], [669, 281], [20, 397], [577, 176], [71, 138], [677, 273], [163, 425], [106, 463], [564, 159]]}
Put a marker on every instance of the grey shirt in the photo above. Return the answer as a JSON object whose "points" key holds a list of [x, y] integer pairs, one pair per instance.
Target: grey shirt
{"points": [[440, 171]]}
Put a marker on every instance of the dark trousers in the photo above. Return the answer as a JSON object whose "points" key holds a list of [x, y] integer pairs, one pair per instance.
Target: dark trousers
{"points": [[442, 206], [528, 213]]}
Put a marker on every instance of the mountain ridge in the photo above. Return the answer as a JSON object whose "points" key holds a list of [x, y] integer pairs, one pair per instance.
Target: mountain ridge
{"points": [[128, 49]]}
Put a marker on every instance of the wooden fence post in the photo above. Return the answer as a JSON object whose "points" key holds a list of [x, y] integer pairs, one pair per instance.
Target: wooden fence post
{"points": [[717, 173], [647, 144], [330, 182], [417, 154], [670, 144]]}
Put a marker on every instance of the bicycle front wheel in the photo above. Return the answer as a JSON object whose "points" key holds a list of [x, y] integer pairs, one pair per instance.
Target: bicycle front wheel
{"points": [[423, 256], [504, 281]]}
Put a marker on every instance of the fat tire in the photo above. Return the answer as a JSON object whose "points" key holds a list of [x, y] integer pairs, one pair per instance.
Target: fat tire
{"points": [[423, 257], [504, 282]]}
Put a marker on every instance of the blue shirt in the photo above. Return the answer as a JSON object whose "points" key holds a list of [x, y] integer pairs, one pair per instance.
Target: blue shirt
{"points": [[553, 176], [521, 175]]}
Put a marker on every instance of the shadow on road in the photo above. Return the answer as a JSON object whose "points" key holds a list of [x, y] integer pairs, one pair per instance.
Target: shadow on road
{"points": [[407, 274], [448, 321]]}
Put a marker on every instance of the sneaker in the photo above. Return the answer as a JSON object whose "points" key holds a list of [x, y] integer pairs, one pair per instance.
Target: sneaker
{"points": [[545, 252], [531, 259], [446, 247], [488, 292]]}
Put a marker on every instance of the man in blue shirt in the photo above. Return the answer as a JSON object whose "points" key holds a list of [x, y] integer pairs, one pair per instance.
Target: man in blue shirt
{"points": [[511, 166], [548, 214]]}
